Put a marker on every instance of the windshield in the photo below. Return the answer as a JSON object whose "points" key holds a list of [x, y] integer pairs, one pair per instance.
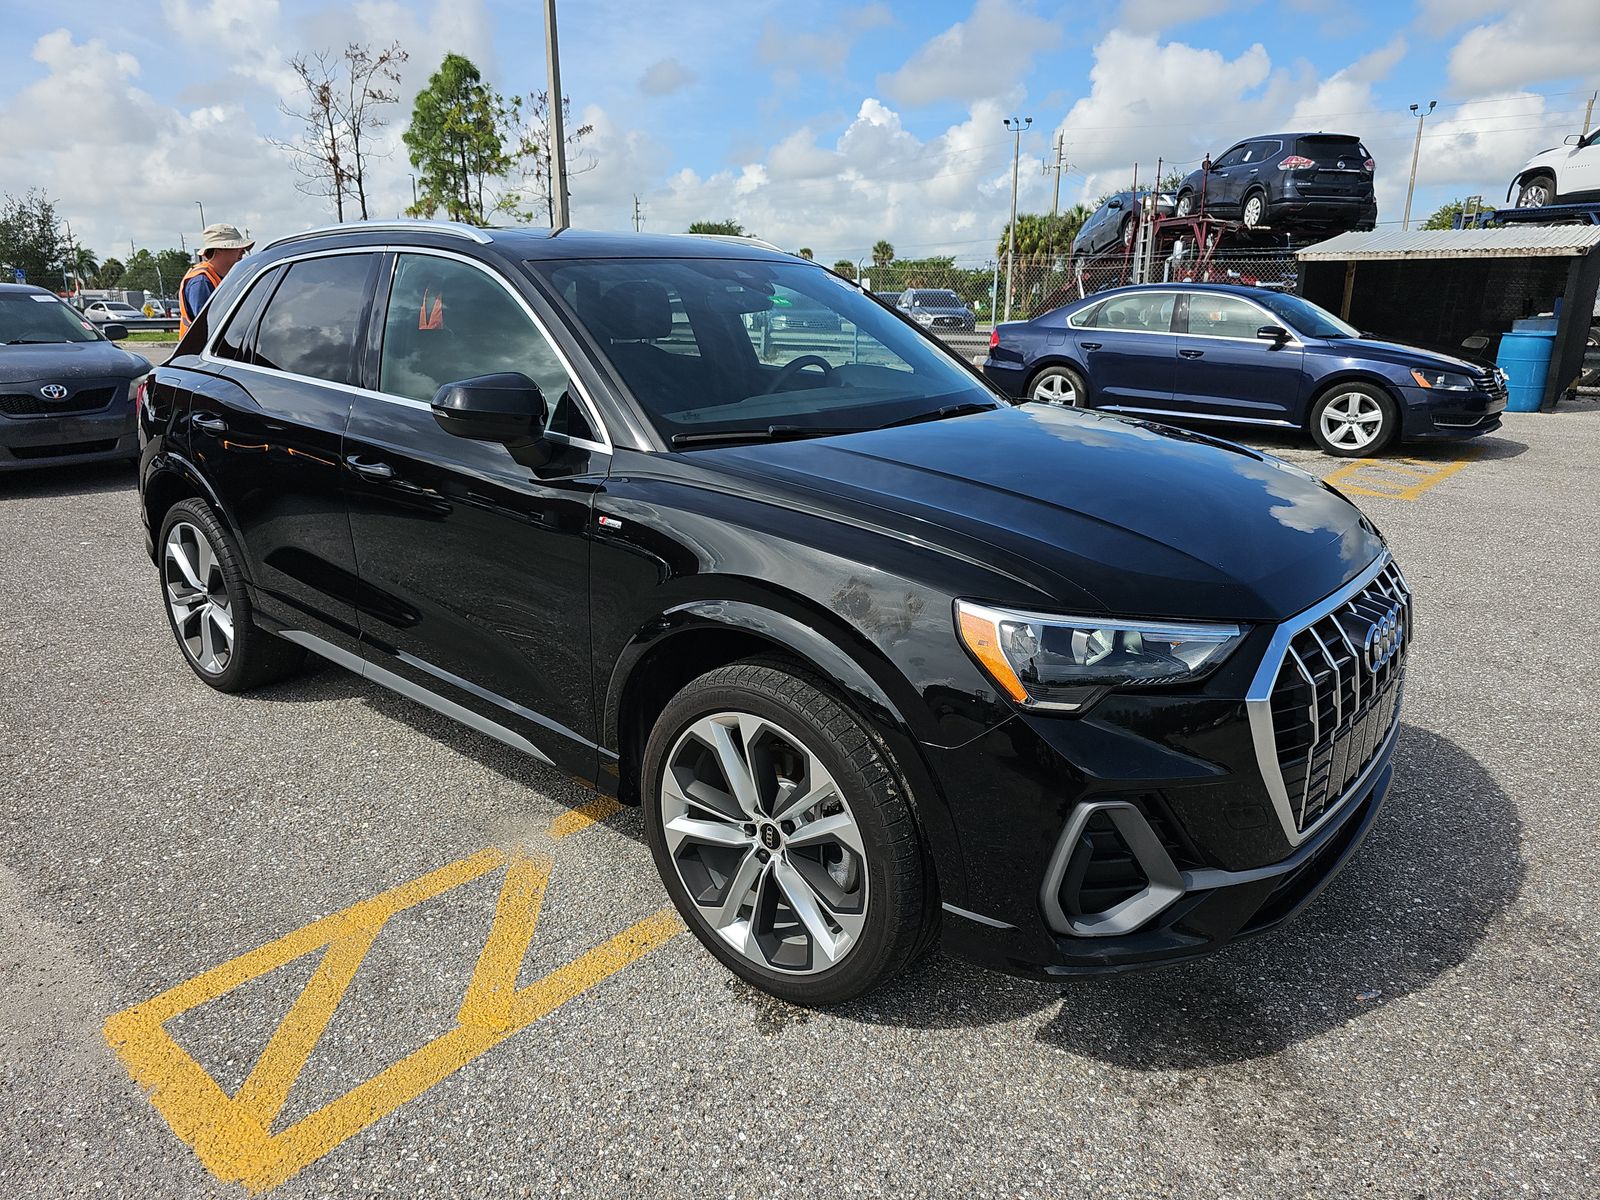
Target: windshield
{"points": [[33, 318], [697, 344], [1305, 317], [939, 300]]}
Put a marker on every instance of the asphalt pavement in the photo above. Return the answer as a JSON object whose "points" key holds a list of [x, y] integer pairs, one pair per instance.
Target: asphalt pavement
{"points": [[322, 941]]}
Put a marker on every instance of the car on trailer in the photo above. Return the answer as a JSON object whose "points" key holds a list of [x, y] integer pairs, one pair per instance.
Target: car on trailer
{"points": [[1287, 182]]}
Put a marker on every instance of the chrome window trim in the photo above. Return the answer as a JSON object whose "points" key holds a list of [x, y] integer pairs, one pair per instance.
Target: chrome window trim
{"points": [[1176, 293], [605, 447], [1258, 705]]}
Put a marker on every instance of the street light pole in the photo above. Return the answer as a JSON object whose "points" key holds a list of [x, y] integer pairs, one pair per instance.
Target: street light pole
{"points": [[559, 218], [1016, 125], [202, 209], [1422, 115], [413, 192]]}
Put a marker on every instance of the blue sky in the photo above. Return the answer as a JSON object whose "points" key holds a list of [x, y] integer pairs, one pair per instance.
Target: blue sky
{"points": [[826, 124]]}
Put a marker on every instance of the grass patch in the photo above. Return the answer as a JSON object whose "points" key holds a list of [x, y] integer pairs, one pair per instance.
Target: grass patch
{"points": [[153, 335]]}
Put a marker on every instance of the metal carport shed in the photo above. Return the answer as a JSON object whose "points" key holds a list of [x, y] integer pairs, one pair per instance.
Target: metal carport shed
{"points": [[1446, 288]]}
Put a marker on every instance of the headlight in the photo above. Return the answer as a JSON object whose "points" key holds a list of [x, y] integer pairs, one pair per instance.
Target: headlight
{"points": [[1442, 381], [1059, 662], [922, 318]]}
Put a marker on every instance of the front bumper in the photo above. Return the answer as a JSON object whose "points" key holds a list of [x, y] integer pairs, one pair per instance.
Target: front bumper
{"points": [[1433, 415], [107, 435]]}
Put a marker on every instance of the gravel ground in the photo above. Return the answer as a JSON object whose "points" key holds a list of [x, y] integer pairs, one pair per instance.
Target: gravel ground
{"points": [[1426, 1029]]}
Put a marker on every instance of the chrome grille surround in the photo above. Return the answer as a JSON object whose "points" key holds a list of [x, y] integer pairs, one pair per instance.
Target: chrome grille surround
{"points": [[1326, 698]]}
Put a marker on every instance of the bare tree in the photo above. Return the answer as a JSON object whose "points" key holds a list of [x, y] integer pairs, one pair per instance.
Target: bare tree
{"points": [[370, 83], [319, 152], [533, 152]]}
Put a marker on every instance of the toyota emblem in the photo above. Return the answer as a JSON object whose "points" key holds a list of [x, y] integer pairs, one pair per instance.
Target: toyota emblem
{"points": [[1384, 637], [53, 391]]}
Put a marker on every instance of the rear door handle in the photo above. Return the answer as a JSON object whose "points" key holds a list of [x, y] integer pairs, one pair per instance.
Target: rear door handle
{"points": [[372, 470], [1091, 345], [1192, 353], [209, 423]]}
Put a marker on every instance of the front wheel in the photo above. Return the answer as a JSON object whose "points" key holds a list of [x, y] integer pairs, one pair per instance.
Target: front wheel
{"points": [[1353, 420], [1185, 205], [1537, 192], [1060, 385], [1255, 210], [784, 836]]}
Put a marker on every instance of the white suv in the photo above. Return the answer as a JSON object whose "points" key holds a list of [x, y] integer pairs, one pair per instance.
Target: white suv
{"points": [[1569, 172]]}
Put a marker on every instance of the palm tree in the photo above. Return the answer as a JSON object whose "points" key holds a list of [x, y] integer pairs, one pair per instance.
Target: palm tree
{"points": [[805, 253], [83, 264], [882, 254]]}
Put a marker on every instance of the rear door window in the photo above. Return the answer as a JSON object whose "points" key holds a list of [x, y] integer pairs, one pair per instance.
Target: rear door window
{"points": [[231, 343], [311, 324], [1137, 313]]}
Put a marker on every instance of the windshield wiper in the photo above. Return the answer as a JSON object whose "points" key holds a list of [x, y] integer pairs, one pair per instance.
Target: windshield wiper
{"points": [[772, 433], [35, 341], [938, 414]]}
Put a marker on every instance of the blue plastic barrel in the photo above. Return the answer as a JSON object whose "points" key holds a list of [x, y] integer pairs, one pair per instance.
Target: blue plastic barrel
{"points": [[1525, 358]]}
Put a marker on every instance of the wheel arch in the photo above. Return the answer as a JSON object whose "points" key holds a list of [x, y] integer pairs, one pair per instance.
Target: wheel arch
{"points": [[698, 636], [1355, 375], [1040, 366], [170, 479]]}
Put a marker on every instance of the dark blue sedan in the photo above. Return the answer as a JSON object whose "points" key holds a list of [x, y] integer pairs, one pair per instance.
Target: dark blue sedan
{"points": [[1246, 356]]}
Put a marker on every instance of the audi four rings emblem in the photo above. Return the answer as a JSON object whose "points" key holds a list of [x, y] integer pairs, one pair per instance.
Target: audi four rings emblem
{"points": [[1383, 637], [53, 391]]}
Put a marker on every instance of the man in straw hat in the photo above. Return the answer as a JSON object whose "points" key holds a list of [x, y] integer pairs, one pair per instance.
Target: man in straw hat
{"points": [[220, 247]]}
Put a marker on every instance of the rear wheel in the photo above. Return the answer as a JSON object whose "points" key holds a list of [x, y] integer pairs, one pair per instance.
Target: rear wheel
{"points": [[1185, 205], [1537, 192], [1254, 212], [208, 606], [1060, 385], [1353, 420], [784, 836]]}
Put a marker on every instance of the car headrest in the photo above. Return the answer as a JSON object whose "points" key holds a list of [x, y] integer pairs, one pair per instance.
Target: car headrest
{"points": [[642, 309]]}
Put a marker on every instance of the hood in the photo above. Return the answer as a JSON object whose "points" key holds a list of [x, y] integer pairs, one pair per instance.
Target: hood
{"points": [[1399, 354], [65, 361], [1080, 510]]}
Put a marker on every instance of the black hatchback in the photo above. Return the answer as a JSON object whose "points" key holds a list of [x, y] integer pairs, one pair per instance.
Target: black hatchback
{"points": [[1287, 182], [885, 659], [67, 394]]}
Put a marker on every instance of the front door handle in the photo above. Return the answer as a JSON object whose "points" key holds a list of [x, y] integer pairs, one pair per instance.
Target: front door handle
{"points": [[209, 423], [372, 470], [1192, 353], [1090, 345]]}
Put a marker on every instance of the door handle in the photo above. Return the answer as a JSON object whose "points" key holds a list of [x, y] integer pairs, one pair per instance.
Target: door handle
{"points": [[209, 423], [372, 470], [1090, 345], [1192, 353]]}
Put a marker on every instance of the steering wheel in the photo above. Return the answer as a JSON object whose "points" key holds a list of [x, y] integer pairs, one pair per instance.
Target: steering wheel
{"points": [[794, 366]]}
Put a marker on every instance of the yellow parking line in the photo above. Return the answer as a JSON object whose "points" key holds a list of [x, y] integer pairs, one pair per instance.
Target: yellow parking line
{"points": [[232, 1135], [1393, 479]]}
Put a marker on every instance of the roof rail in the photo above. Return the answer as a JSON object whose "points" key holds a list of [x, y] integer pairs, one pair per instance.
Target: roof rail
{"points": [[739, 239], [449, 228]]}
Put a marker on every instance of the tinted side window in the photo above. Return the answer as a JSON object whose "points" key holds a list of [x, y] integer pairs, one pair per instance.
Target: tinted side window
{"points": [[1224, 316], [1141, 314], [449, 321], [231, 343], [310, 326], [1232, 158]]}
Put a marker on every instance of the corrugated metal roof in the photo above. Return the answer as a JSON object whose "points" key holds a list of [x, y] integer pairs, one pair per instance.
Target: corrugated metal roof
{"points": [[1514, 241]]}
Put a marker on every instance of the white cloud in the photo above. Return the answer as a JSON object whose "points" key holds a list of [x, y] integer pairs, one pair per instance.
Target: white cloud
{"points": [[665, 77], [1554, 39], [1152, 16], [985, 56], [785, 47]]}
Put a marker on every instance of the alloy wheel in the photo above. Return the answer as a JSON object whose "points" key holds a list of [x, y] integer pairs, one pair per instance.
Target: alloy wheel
{"points": [[1352, 421], [197, 594], [1055, 389], [764, 843], [1185, 203]]}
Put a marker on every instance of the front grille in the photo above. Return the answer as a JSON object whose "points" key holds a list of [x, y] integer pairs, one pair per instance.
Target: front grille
{"points": [[1491, 382], [1337, 695], [66, 448], [22, 404]]}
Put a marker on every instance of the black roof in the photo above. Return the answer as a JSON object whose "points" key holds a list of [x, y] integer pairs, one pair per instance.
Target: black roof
{"points": [[23, 289], [524, 242]]}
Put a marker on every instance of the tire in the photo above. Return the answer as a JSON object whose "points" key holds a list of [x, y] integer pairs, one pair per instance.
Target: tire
{"points": [[1185, 204], [208, 606], [1253, 212], [865, 886], [1125, 233], [1059, 385], [1537, 191], [1377, 425]]}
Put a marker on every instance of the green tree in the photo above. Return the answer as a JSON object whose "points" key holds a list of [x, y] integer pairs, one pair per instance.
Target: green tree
{"points": [[83, 265], [882, 254], [30, 239], [805, 253], [845, 267], [730, 228], [1041, 238], [1445, 215], [457, 142], [142, 274], [110, 273], [172, 264]]}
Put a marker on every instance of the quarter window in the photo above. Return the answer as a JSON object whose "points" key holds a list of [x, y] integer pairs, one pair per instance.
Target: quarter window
{"points": [[1215, 315], [448, 321], [231, 342], [311, 323]]}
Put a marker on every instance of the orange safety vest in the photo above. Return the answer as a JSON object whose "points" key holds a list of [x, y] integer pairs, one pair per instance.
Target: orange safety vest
{"points": [[185, 317]]}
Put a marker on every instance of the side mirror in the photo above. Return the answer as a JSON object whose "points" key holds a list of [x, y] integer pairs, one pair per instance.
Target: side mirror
{"points": [[1275, 334], [1572, 139], [1114, 202], [113, 332], [507, 408]]}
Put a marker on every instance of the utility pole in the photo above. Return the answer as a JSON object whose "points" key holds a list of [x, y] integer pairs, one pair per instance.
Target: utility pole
{"points": [[202, 209], [1016, 125], [1055, 197], [413, 190], [1416, 150], [1588, 113], [560, 218], [638, 217]]}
